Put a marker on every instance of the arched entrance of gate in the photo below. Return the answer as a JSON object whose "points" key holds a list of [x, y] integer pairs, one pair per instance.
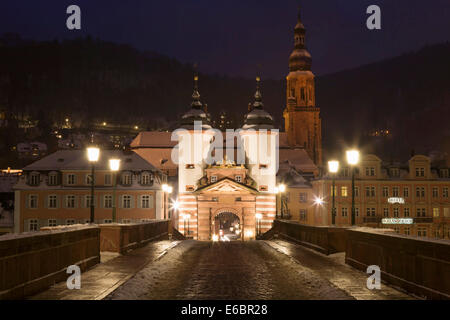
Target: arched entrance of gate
{"points": [[227, 224]]}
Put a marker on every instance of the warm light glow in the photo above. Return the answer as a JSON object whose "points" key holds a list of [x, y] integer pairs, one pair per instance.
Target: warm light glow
{"points": [[114, 164], [276, 190], [175, 205], [333, 166], [281, 188], [136, 127], [169, 189], [93, 154], [353, 157], [258, 216], [187, 216], [165, 187], [248, 233], [104, 123], [318, 201], [215, 238]]}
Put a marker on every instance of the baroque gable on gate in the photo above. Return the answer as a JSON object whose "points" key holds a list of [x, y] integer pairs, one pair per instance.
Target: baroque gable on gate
{"points": [[227, 185]]}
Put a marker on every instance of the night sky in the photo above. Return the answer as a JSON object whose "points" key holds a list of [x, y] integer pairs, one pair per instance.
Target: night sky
{"points": [[242, 37]]}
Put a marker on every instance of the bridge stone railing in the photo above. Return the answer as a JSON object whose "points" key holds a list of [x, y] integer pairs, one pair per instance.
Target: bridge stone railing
{"points": [[418, 265], [33, 261], [122, 238], [326, 240]]}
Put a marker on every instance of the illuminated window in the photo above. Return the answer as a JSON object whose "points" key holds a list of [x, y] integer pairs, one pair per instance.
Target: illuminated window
{"points": [[436, 212], [344, 191], [213, 179], [238, 178]]}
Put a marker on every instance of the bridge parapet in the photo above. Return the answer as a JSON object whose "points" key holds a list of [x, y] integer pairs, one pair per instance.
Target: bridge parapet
{"points": [[418, 265], [326, 240], [122, 238], [33, 261]]}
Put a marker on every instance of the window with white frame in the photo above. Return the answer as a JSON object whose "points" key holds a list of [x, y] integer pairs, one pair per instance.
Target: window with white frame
{"points": [[108, 179], [406, 212], [395, 191], [146, 202], [52, 222], [88, 201], [107, 201], [70, 201], [344, 212], [33, 225], [406, 192], [146, 178], [35, 179], [33, 201], [370, 171], [52, 179], [238, 178], [420, 172], [213, 179], [435, 192], [126, 179], [385, 191], [71, 179], [52, 201], [126, 201], [303, 197]]}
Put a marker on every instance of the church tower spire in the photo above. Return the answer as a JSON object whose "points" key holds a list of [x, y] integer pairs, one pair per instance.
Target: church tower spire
{"points": [[302, 121]]}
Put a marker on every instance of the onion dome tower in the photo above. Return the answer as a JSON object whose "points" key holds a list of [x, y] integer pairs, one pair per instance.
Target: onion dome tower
{"points": [[302, 121], [257, 117], [196, 112]]}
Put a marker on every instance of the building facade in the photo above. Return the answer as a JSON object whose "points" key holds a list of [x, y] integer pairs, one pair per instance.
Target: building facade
{"points": [[56, 190], [412, 198]]}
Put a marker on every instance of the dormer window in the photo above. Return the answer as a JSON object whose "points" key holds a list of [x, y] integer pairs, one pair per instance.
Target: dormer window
{"points": [[395, 172], [238, 178], [146, 179], [52, 179], [126, 179], [420, 172], [444, 173], [213, 179], [370, 171], [35, 179]]}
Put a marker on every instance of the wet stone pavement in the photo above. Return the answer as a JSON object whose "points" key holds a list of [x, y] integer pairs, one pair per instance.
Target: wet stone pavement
{"points": [[248, 270]]}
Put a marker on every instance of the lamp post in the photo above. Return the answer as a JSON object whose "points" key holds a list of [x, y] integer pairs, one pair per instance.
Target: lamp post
{"points": [[333, 167], [258, 217], [166, 190], [114, 165], [353, 159], [93, 155], [282, 189]]}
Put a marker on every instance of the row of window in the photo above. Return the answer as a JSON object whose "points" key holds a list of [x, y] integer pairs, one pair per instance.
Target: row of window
{"points": [[70, 201], [370, 191], [71, 179], [237, 178], [394, 172], [420, 212]]}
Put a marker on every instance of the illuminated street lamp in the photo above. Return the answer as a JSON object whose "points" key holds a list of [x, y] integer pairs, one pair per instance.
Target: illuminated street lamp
{"points": [[114, 166], [93, 154], [258, 217], [353, 159], [281, 189], [333, 167]]}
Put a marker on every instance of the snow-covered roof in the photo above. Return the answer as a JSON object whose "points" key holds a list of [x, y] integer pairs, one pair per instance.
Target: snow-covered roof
{"points": [[153, 139], [77, 160]]}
